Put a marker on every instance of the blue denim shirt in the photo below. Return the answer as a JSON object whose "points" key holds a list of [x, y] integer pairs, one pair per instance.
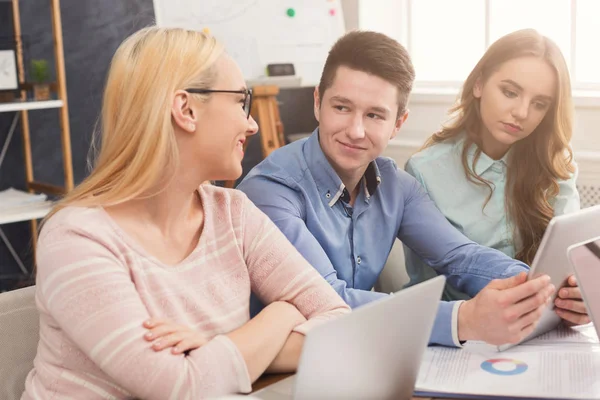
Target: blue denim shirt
{"points": [[300, 191]]}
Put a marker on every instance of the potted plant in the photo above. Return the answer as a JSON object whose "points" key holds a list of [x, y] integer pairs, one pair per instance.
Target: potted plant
{"points": [[40, 74]]}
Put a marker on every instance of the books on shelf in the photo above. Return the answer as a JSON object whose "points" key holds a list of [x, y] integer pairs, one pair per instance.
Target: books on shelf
{"points": [[17, 205]]}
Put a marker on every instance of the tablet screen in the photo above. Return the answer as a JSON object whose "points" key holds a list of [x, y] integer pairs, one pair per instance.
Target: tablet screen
{"points": [[586, 262]]}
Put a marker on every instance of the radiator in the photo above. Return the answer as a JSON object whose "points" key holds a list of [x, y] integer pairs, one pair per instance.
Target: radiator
{"points": [[589, 193]]}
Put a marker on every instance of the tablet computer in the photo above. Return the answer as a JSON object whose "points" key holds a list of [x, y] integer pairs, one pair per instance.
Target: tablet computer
{"points": [[585, 260], [551, 258]]}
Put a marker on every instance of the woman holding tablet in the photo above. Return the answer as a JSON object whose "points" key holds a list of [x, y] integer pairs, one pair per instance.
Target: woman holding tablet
{"points": [[503, 167]]}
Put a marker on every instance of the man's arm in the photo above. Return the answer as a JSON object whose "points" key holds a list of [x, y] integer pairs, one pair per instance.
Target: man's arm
{"points": [[285, 208], [468, 266], [505, 307]]}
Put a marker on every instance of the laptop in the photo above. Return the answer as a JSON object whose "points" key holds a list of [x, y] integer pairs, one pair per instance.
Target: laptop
{"points": [[372, 353], [585, 259], [551, 258]]}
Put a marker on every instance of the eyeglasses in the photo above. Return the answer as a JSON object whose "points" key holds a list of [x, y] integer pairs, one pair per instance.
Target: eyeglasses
{"points": [[247, 96]]}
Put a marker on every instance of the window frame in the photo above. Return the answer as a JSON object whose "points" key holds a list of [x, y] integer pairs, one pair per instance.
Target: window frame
{"points": [[587, 91]]}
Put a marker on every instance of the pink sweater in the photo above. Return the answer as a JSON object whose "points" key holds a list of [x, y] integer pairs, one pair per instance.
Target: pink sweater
{"points": [[96, 286]]}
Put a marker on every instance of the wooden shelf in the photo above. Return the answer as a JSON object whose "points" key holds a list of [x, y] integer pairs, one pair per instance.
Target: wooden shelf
{"points": [[30, 105], [25, 213], [22, 106]]}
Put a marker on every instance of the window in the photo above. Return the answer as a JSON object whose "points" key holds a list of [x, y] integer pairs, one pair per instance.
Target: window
{"points": [[587, 31], [447, 37], [433, 38]]}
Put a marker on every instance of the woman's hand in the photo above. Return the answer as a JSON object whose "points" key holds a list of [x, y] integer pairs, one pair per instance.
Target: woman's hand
{"points": [[163, 334], [569, 304]]}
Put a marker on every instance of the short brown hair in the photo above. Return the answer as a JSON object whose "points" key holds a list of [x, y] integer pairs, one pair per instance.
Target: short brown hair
{"points": [[375, 54]]}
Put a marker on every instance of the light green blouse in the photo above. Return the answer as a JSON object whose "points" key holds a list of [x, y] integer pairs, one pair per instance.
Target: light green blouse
{"points": [[439, 169]]}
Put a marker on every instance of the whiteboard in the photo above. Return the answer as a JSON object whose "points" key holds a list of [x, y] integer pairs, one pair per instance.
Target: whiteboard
{"points": [[260, 32]]}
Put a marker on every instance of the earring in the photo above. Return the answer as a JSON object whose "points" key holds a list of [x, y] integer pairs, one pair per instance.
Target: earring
{"points": [[193, 127]]}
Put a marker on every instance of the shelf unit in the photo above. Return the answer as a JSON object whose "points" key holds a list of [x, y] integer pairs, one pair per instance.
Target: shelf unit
{"points": [[22, 107], [29, 105], [26, 213]]}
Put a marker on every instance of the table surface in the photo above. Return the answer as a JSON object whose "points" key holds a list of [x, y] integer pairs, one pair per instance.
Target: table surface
{"points": [[269, 379]]}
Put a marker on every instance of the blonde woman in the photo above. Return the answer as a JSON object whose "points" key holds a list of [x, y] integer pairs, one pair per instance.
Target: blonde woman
{"points": [[503, 167], [141, 256]]}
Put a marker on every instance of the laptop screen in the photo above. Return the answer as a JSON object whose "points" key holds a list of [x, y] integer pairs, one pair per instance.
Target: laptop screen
{"points": [[586, 263]]}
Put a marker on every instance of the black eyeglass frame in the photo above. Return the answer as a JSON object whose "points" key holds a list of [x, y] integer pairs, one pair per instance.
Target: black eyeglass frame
{"points": [[246, 92]]}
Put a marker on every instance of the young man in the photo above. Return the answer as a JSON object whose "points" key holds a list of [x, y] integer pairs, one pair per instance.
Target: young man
{"points": [[342, 205]]}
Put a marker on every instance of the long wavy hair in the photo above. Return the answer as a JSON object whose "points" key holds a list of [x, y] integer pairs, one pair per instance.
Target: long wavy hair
{"points": [[536, 163], [138, 146]]}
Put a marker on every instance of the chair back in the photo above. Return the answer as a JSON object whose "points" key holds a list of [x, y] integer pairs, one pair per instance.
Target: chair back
{"points": [[19, 335]]}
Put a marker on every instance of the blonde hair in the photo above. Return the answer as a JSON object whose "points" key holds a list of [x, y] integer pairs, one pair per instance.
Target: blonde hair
{"points": [[137, 139], [535, 163]]}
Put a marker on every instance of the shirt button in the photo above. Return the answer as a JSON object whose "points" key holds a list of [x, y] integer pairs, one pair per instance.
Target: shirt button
{"points": [[358, 260], [328, 195]]}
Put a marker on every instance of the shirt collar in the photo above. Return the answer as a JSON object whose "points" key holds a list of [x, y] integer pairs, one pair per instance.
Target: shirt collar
{"points": [[484, 162], [328, 182], [372, 179]]}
